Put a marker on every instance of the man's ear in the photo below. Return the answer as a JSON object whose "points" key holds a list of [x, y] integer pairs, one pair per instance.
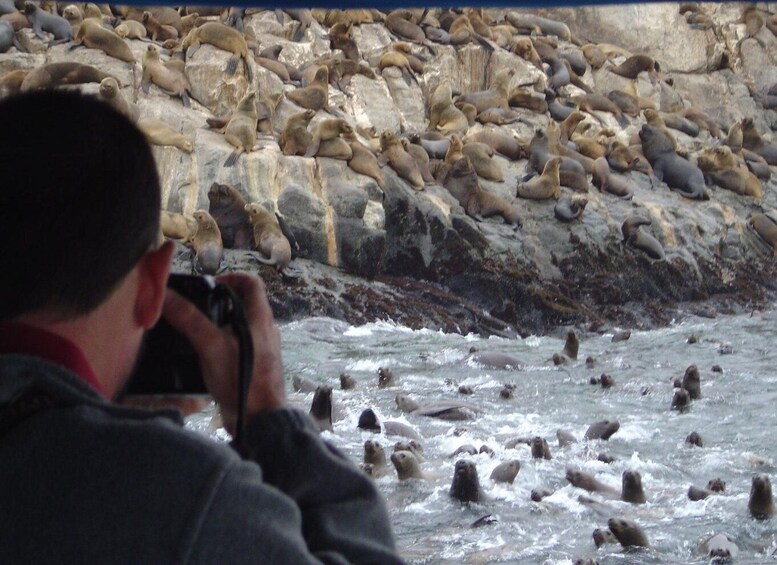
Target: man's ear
{"points": [[153, 270]]}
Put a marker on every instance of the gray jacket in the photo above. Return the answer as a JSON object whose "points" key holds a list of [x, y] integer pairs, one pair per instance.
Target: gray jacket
{"points": [[92, 482]]}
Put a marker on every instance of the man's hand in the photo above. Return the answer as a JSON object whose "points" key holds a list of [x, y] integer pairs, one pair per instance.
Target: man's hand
{"points": [[218, 348]]}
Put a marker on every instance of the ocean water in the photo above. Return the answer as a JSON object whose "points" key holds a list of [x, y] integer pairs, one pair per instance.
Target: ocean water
{"points": [[736, 418]]}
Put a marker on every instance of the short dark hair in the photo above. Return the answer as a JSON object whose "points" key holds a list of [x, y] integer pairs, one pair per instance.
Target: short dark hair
{"points": [[79, 202]]}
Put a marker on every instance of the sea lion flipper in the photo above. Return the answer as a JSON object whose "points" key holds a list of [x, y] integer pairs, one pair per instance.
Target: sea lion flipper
{"points": [[19, 45], [232, 159], [185, 99], [231, 66]]}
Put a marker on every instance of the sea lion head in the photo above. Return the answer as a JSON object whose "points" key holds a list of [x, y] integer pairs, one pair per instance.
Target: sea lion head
{"points": [[368, 420], [405, 403], [385, 377], [406, 464], [321, 407], [631, 480], [465, 485], [29, 8], [146, 17], [387, 139], [322, 75], [374, 453], [109, 87], [152, 51]]}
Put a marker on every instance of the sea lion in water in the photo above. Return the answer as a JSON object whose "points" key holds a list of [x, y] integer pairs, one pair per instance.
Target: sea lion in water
{"points": [[206, 243], [393, 154], [638, 239], [631, 487], [375, 456], [227, 206], [695, 439], [714, 486], [628, 533], [169, 76], [540, 448], [720, 548], [92, 34], [494, 360], [569, 208], [110, 94], [295, 137], [159, 133], [603, 430], [268, 237], [571, 346], [590, 483], [603, 536], [761, 503], [241, 128], [407, 465], [692, 382], [222, 37], [545, 186], [766, 228], [669, 167], [52, 75], [506, 472], [321, 408], [465, 485], [445, 410]]}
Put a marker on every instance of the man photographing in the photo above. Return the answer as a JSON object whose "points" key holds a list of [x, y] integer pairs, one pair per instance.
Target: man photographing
{"points": [[84, 480]]}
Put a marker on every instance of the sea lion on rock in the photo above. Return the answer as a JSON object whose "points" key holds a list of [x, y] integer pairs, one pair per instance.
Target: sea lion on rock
{"points": [[465, 485], [176, 226], [159, 133], [613, 183], [669, 167], [362, 160], [569, 208], [241, 129], [462, 182], [445, 410], [636, 64], [327, 130], [206, 243], [92, 34], [761, 503], [314, 96], [766, 228], [545, 186], [638, 239], [227, 206], [480, 155], [628, 533], [752, 140], [444, 116], [523, 98], [222, 37], [494, 97], [54, 24], [506, 472], [130, 29], [590, 483], [158, 31], [393, 154], [268, 237], [295, 137], [603, 430], [110, 94], [52, 75], [500, 141], [169, 76]]}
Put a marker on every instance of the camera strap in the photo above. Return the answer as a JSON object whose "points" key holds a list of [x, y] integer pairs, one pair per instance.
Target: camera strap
{"points": [[239, 324]]}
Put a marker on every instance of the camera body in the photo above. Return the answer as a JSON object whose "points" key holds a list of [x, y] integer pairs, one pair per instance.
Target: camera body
{"points": [[168, 364]]}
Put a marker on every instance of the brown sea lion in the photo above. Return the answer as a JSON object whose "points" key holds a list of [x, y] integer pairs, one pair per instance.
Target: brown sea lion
{"points": [[636, 64], [734, 138], [638, 239], [590, 483], [628, 533], [603, 429], [524, 48], [315, 96], [227, 206], [545, 186], [692, 382], [169, 77], [11, 82], [761, 503], [295, 137], [421, 159], [92, 34], [540, 448], [110, 94], [327, 130], [400, 22], [498, 116], [480, 155], [669, 167], [130, 29], [393, 154], [595, 56], [206, 243], [569, 208], [494, 97], [500, 141], [631, 488], [363, 161], [347, 382], [506, 472], [159, 133], [177, 226], [702, 121], [222, 37], [752, 141], [720, 548], [462, 182], [607, 181], [375, 457], [600, 103], [766, 228], [444, 116], [628, 104], [407, 465], [240, 131], [156, 30], [465, 485], [714, 486], [268, 237], [569, 125], [52, 75]]}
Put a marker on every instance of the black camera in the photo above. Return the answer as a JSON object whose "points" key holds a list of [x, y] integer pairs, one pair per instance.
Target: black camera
{"points": [[167, 363]]}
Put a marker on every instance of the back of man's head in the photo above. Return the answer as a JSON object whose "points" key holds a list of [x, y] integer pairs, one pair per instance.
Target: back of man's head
{"points": [[79, 203]]}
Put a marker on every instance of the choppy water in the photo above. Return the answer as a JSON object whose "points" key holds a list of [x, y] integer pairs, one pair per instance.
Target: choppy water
{"points": [[736, 418]]}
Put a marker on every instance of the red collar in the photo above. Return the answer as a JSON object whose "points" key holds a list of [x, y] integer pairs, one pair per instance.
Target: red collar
{"points": [[24, 339]]}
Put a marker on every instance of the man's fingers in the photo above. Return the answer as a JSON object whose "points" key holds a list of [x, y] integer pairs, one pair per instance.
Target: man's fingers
{"points": [[185, 317], [250, 290]]}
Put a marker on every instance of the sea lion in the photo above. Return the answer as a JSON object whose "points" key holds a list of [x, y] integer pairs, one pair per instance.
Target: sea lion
{"points": [[159, 133], [540, 153], [694, 438], [495, 360], [241, 129], [445, 410], [362, 160], [156, 29], [603, 430], [169, 76], [327, 130], [680, 123], [607, 181], [130, 29], [465, 485], [534, 23], [638, 239], [177, 226], [421, 158], [523, 98], [494, 97], [206, 243], [498, 116], [462, 182], [227, 206], [568, 126], [669, 167], [701, 120], [524, 48], [52, 75], [92, 34], [599, 103], [386, 378], [110, 94], [393, 154], [595, 56], [636, 64], [407, 465], [368, 420], [444, 116], [268, 237], [480, 155], [714, 486], [631, 487], [569, 208], [295, 137], [8, 37], [347, 382], [315, 95], [603, 536], [628, 533], [506, 472], [681, 400], [400, 22], [321, 408], [52, 23], [766, 228], [545, 186], [222, 37], [752, 141], [761, 503], [500, 141], [720, 548], [565, 438], [692, 382], [590, 483], [540, 448], [571, 345], [375, 455]]}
